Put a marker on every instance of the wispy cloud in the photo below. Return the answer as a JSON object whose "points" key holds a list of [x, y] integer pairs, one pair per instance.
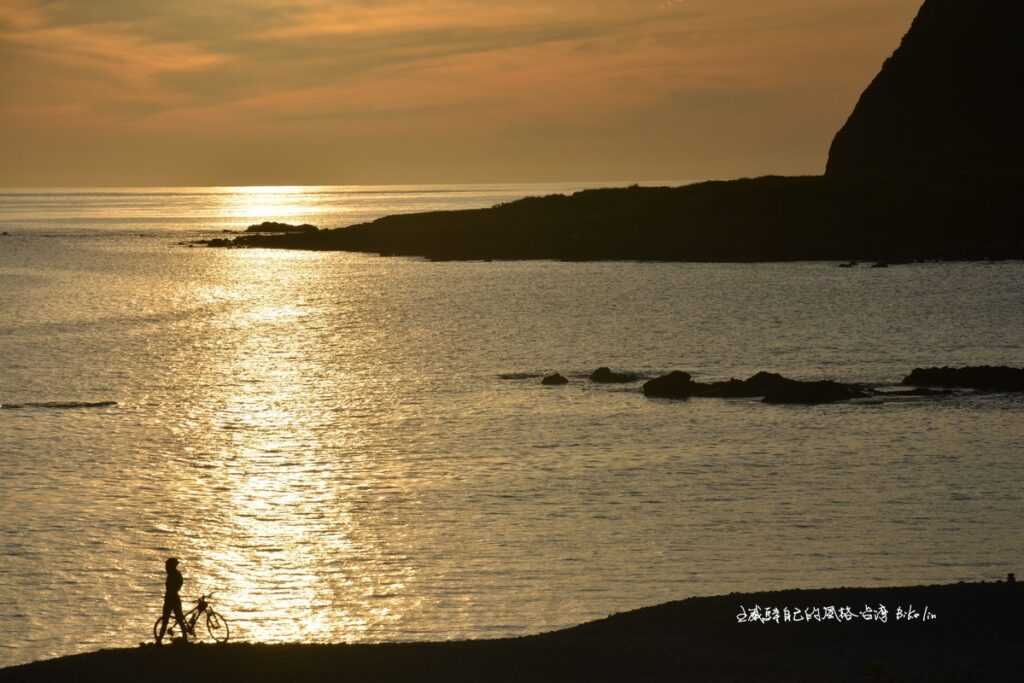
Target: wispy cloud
{"points": [[334, 69]]}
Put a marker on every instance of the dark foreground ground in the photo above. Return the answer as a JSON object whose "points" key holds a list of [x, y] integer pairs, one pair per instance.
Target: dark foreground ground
{"points": [[976, 635]]}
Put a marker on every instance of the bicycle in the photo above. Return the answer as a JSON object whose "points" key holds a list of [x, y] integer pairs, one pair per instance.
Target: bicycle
{"points": [[216, 624]]}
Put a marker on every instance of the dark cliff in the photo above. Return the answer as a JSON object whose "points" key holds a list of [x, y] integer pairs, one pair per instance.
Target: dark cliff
{"points": [[948, 103]]}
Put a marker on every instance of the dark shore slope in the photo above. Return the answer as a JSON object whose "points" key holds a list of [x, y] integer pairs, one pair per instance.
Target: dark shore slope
{"points": [[975, 636], [930, 165]]}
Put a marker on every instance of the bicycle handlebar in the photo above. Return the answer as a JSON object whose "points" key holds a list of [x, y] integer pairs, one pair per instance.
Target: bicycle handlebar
{"points": [[205, 597]]}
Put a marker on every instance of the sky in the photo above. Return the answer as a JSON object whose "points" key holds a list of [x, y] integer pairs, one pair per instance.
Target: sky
{"points": [[285, 92]]}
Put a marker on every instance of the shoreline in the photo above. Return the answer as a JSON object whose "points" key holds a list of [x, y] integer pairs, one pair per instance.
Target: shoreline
{"points": [[973, 633], [766, 219]]}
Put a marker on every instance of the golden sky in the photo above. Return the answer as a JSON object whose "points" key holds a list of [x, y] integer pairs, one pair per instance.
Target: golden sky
{"points": [[237, 92]]}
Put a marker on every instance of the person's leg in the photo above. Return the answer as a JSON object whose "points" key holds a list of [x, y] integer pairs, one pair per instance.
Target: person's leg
{"points": [[164, 616], [181, 619]]}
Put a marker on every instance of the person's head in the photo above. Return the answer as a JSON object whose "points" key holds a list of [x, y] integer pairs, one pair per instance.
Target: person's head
{"points": [[171, 564]]}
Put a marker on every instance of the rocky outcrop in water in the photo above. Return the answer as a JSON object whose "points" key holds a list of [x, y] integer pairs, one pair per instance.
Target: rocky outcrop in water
{"points": [[984, 378], [273, 227], [607, 376], [773, 387], [813, 393], [216, 242], [677, 384], [948, 103], [59, 404]]}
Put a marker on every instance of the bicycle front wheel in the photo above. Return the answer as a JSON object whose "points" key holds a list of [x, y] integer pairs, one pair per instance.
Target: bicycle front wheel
{"points": [[217, 626]]}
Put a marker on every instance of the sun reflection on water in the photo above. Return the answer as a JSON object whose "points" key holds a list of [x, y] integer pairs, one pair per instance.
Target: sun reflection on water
{"points": [[290, 557], [267, 202]]}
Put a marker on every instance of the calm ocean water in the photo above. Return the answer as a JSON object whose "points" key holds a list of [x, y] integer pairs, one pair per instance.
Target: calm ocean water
{"points": [[327, 439], [206, 209]]}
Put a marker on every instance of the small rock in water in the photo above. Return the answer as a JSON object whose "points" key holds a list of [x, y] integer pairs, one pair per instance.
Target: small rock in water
{"points": [[676, 384], [984, 378], [554, 380], [810, 393], [273, 226], [606, 376]]}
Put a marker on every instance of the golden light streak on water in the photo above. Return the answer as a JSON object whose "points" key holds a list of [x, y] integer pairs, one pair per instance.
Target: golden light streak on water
{"points": [[284, 481], [256, 203], [277, 503]]}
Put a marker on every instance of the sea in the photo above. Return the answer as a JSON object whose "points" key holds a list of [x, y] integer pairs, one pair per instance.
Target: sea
{"points": [[344, 447]]}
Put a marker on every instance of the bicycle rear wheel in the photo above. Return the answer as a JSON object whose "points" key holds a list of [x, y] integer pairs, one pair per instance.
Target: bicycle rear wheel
{"points": [[171, 623], [217, 626]]}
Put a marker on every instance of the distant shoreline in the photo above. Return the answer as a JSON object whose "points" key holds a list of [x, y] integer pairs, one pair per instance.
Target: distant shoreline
{"points": [[768, 219], [964, 630]]}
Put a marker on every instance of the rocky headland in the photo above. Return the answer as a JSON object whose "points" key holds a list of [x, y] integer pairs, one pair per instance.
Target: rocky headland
{"points": [[947, 105], [929, 166]]}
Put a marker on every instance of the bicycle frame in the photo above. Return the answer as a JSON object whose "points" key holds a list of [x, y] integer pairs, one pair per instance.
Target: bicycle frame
{"points": [[216, 624], [192, 616]]}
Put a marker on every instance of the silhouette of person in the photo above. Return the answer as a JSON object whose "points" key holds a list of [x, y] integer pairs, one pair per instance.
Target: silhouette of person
{"points": [[172, 599]]}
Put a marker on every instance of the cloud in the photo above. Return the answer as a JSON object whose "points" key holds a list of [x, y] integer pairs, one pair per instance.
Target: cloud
{"points": [[333, 70], [20, 15], [205, 57]]}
